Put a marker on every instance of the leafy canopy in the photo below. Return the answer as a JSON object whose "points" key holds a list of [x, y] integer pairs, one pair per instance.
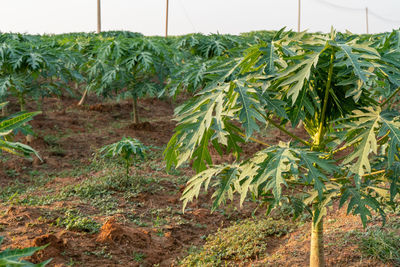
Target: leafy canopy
{"points": [[329, 82]]}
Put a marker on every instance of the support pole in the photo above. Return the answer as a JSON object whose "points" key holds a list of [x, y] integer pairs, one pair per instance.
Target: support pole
{"points": [[366, 19], [166, 20], [98, 16], [298, 16]]}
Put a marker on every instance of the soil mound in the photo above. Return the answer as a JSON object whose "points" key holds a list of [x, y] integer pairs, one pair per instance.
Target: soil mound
{"points": [[112, 232], [54, 249]]}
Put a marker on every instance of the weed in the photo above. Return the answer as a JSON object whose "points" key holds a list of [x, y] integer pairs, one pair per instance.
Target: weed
{"points": [[100, 253], [160, 232], [106, 204], [51, 140], [33, 200], [74, 220], [57, 151], [12, 173], [138, 257]]}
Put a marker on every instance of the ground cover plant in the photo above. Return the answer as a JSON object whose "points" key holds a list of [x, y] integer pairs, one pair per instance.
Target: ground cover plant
{"points": [[82, 205], [246, 240]]}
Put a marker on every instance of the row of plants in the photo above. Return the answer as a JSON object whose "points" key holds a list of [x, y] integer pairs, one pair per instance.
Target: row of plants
{"points": [[125, 64], [110, 64], [340, 88]]}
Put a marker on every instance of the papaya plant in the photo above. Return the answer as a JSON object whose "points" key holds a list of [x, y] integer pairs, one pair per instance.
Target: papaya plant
{"points": [[128, 68], [35, 68], [327, 85], [126, 149]]}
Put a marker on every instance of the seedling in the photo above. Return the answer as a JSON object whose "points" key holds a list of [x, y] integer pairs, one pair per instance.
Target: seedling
{"points": [[127, 149]]}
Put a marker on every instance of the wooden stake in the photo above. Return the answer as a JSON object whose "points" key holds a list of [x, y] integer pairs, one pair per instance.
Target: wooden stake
{"points": [[166, 20], [98, 16]]}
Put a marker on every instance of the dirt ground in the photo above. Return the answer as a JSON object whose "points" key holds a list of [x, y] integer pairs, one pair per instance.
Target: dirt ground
{"points": [[144, 228]]}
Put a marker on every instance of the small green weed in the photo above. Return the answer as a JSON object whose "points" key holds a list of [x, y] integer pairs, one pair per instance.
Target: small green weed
{"points": [[74, 220], [100, 253], [57, 151], [51, 140], [138, 257]]}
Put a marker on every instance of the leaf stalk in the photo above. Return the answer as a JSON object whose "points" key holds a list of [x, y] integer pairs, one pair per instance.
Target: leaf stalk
{"points": [[319, 136], [390, 97]]}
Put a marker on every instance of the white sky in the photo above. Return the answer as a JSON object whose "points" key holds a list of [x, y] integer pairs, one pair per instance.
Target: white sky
{"points": [[186, 16]]}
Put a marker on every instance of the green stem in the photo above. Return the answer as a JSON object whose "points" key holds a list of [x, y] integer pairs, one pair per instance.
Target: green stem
{"points": [[320, 135], [254, 140], [390, 97], [4, 112], [135, 111], [127, 170], [288, 133], [21, 102], [304, 142]]}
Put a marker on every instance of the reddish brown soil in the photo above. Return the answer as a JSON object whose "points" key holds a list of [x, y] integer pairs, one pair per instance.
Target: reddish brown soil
{"points": [[79, 132]]}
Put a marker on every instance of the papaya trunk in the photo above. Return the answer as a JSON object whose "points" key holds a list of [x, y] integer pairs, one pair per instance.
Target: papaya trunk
{"points": [[135, 111], [317, 245], [39, 103], [83, 99], [21, 103], [4, 111]]}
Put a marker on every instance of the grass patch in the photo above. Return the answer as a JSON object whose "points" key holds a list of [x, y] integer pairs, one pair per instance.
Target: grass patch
{"points": [[243, 241], [381, 244]]}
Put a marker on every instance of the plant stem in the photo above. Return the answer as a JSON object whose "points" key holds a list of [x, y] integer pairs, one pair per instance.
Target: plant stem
{"points": [[390, 97], [317, 244], [319, 136], [374, 173], [127, 170], [317, 229], [288, 133], [4, 111], [342, 148], [83, 98], [304, 142], [255, 140], [135, 111], [21, 102]]}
